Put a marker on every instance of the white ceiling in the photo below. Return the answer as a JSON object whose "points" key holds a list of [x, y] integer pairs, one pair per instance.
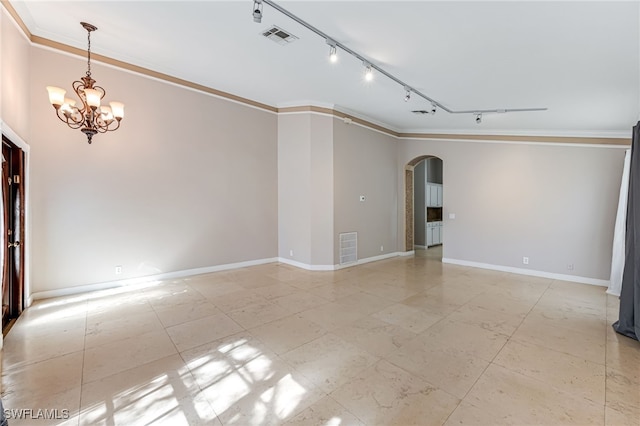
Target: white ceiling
{"points": [[581, 59]]}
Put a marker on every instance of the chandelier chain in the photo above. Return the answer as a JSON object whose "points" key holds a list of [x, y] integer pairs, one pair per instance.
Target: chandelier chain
{"points": [[88, 53]]}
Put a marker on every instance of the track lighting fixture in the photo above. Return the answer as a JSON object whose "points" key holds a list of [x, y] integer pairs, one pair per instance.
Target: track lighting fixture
{"points": [[257, 11], [333, 51], [368, 72], [369, 67]]}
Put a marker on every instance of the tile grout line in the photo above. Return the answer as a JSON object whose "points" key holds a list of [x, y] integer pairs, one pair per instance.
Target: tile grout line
{"points": [[498, 352], [84, 354]]}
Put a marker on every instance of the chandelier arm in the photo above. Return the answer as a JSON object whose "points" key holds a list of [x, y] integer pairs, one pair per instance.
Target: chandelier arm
{"points": [[78, 87], [68, 119], [115, 128], [104, 127]]}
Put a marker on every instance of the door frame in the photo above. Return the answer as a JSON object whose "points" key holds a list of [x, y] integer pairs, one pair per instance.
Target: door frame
{"points": [[8, 132]]}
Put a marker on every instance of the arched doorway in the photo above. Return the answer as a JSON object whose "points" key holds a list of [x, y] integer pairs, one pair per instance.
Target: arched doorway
{"points": [[423, 204]]}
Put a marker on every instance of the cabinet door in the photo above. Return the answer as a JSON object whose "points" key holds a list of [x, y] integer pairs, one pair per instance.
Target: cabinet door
{"points": [[439, 195], [433, 195], [436, 235], [441, 228], [429, 191], [429, 235]]}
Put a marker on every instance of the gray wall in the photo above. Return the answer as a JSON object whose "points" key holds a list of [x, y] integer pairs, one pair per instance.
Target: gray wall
{"points": [[305, 188], [322, 190], [365, 164], [185, 183], [14, 76], [554, 204], [419, 203], [294, 187]]}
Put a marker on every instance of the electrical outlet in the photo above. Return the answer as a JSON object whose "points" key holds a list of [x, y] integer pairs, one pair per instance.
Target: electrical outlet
{"points": [[570, 266], [118, 269], [291, 253], [525, 260], [381, 248]]}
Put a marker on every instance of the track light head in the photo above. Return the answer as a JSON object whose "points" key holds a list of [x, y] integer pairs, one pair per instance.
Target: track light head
{"points": [[257, 11], [333, 50], [333, 54], [434, 108], [479, 118], [368, 72], [408, 95]]}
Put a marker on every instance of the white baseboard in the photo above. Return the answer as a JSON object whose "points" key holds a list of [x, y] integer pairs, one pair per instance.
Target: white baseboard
{"points": [[305, 265], [418, 246], [146, 279], [406, 253], [348, 265], [530, 272]]}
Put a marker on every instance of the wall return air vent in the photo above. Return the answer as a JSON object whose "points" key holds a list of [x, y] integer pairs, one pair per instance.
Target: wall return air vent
{"points": [[279, 35], [348, 247]]}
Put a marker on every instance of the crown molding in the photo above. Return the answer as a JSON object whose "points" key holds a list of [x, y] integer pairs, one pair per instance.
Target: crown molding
{"points": [[615, 138]]}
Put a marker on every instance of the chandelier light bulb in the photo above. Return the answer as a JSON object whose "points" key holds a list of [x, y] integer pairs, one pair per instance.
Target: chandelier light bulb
{"points": [[118, 110], [93, 98], [56, 95]]}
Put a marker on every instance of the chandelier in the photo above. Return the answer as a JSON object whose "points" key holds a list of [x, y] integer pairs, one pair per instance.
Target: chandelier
{"points": [[90, 118]]}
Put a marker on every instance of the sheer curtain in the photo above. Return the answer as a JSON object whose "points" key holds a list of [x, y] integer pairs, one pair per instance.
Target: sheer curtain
{"points": [[617, 257]]}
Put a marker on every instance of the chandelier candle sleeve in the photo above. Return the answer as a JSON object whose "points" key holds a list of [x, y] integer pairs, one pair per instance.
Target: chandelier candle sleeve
{"points": [[90, 117]]}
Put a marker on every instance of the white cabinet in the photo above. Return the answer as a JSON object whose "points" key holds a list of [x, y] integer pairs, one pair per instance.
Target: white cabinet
{"points": [[434, 233], [434, 195]]}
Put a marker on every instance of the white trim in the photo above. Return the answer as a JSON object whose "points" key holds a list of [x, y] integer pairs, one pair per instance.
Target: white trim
{"points": [[6, 130], [407, 253], [618, 134], [531, 272], [550, 144], [365, 126], [305, 265], [140, 280], [338, 267], [305, 103], [161, 80], [420, 247]]}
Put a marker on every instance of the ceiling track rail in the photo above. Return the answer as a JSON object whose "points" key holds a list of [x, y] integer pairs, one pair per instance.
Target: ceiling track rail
{"points": [[407, 87]]}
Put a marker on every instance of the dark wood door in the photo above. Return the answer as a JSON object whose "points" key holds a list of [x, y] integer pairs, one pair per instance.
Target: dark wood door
{"points": [[12, 227]]}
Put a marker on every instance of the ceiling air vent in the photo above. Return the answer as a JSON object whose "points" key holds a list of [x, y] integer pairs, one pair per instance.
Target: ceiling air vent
{"points": [[421, 112], [279, 35]]}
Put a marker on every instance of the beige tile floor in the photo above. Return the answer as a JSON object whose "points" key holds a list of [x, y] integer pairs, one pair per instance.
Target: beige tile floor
{"points": [[401, 341]]}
